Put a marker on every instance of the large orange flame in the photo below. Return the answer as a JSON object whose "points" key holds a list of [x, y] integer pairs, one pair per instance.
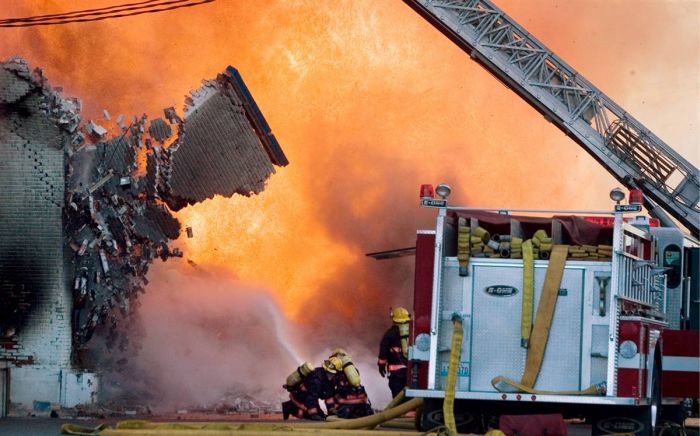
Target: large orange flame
{"points": [[369, 101]]}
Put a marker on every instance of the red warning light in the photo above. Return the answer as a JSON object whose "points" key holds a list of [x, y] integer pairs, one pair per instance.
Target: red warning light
{"points": [[426, 191], [636, 196]]}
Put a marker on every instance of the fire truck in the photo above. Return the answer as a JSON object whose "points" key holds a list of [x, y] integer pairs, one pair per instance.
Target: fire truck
{"points": [[619, 349], [585, 313]]}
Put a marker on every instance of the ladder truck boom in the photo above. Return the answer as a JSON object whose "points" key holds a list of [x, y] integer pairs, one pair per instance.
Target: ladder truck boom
{"points": [[628, 150]]}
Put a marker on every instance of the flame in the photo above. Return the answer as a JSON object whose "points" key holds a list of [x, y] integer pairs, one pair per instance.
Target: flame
{"points": [[368, 102]]}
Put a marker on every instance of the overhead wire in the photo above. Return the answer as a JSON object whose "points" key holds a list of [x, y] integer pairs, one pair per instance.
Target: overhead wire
{"points": [[117, 11], [85, 11]]}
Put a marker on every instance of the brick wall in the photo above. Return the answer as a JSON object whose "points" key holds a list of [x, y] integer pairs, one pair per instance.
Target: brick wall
{"points": [[36, 298], [35, 291]]}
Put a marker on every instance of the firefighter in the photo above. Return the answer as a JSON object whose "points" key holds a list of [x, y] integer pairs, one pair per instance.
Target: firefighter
{"points": [[393, 351], [304, 396], [349, 398]]}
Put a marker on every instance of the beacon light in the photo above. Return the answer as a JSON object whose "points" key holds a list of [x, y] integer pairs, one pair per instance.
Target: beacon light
{"points": [[426, 191], [636, 196]]}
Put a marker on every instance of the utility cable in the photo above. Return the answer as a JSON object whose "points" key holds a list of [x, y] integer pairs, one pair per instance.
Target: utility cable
{"points": [[115, 8], [127, 10]]}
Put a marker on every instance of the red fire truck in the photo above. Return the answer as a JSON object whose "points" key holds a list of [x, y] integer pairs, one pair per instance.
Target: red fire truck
{"points": [[617, 291], [615, 351]]}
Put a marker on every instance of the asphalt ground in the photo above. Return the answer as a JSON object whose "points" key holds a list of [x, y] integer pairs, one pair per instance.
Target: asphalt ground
{"points": [[41, 426]]}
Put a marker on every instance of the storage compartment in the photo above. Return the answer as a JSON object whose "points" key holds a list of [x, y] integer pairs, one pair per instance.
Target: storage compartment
{"points": [[496, 349]]}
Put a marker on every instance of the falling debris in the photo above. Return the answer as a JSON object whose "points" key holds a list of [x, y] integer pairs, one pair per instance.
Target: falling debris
{"points": [[116, 220], [160, 130], [120, 122], [95, 129], [190, 234], [223, 147]]}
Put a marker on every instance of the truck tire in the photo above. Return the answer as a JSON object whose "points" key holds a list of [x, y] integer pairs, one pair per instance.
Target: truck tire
{"points": [[467, 418], [635, 420]]}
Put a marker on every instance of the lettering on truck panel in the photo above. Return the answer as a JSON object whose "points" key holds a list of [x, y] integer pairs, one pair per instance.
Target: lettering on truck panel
{"points": [[462, 371]]}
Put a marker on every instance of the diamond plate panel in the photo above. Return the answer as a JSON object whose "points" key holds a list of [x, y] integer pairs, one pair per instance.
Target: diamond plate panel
{"points": [[561, 367], [496, 326], [599, 340], [496, 329], [452, 299], [599, 370]]}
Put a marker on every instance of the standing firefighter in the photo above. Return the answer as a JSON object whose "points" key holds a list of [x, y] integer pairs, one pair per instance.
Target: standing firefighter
{"points": [[393, 351], [308, 385], [349, 396]]}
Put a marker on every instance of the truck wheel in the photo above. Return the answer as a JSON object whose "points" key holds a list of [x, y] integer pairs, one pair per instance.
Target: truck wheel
{"points": [[431, 416], [635, 420]]}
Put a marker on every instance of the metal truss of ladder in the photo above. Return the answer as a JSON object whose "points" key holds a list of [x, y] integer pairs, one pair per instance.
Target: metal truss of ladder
{"points": [[632, 153]]}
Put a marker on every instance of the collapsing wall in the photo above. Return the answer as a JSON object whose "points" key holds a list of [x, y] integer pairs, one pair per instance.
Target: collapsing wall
{"points": [[222, 108], [80, 219]]}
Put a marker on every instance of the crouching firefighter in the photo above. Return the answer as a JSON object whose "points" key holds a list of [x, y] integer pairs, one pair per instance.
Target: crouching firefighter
{"points": [[393, 351], [307, 386], [349, 398]]}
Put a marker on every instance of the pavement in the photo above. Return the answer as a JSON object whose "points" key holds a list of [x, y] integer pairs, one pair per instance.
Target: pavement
{"points": [[43, 426]]}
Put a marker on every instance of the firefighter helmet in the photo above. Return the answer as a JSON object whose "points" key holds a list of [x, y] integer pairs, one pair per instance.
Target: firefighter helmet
{"points": [[333, 365], [400, 315], [339, 352]]}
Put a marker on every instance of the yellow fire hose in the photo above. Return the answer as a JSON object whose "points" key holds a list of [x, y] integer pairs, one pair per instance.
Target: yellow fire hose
{"points": [[448, 406], [542, 325], [137, 427], [368, 421], [591, 390], [528, 294], [545, 314], [396, 400], [299, 431]]}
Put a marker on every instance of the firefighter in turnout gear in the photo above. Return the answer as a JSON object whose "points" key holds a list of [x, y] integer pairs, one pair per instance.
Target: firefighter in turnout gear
{"points": [[316, 385], [393, 351], [349, 398]]}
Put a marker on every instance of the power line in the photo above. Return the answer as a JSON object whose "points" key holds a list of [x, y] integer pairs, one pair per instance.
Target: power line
{"points": [[118, 11], [84, 11]]}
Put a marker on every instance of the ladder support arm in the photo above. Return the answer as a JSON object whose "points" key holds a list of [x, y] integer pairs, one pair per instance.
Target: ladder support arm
{"points": [[627, 149]]}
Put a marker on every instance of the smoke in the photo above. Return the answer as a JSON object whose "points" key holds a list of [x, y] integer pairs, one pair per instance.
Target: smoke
{"points": [[368, 102], [207, 335]]}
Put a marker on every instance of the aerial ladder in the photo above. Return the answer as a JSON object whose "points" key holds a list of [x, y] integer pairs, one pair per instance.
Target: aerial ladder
{"points": [[629, 151]]}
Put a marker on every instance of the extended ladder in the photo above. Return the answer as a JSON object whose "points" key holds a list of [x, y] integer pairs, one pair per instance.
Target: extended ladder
{"points": [[630, 152]]}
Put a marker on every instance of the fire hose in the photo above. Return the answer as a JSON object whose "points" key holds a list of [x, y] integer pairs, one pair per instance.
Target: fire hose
{"points": [[448, 406], [536, 342], [396, 400], [146, 427]]}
